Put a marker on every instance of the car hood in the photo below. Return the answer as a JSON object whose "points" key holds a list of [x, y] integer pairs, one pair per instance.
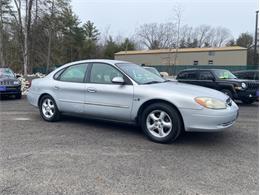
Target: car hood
{"points": [[175, 88], [7, 79]]}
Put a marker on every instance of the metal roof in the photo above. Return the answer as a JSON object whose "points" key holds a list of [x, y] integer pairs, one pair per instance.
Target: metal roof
{"points": [[181, 50]]}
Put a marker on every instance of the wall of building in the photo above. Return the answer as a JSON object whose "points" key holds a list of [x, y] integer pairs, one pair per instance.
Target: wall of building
{"points": [[237, 57]]}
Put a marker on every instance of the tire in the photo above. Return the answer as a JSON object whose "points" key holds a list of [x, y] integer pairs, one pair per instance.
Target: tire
{"points": [[248, 101], [154, 119], [228, 93], [48, 109], [18, 96]]}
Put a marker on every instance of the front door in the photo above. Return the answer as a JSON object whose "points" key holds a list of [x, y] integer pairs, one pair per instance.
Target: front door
{"points": [[206, 79], [105, 99]]}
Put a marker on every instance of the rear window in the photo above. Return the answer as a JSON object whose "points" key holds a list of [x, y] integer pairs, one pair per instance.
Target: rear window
{"points": [[189, 75]]}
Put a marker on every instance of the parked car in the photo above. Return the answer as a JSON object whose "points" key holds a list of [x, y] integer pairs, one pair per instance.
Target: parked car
{"points": [[9, 84], [222, 80], [247, 74], [125, 92], [153, 70]]}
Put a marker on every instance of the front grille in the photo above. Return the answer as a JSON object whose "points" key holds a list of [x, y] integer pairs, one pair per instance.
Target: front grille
{"points": [[6, 82], [251, 85]]}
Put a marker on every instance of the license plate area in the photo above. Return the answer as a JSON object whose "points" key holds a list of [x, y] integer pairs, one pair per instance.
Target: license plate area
{"points": [[2, 88]]}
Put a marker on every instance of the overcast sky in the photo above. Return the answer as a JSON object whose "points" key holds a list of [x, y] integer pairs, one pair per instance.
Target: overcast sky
{"points": [[122, 17]]}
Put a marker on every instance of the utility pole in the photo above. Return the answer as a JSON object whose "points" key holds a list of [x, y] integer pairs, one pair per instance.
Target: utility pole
{"points": [[256, 38]]}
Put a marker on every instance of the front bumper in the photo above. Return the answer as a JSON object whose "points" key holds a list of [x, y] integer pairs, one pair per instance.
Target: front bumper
{"points": [[10, 90], [247, 94], [209, 120]]}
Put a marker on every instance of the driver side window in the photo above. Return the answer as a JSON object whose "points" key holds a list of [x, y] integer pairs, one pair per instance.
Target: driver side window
{"points": [[103, 73]]}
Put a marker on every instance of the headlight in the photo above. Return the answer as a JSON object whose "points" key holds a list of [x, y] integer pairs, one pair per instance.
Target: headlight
{"points": [[16, 82], [210, 103], [243, 85]]}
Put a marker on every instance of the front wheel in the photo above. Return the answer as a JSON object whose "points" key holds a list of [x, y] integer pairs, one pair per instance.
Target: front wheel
{"points": [[161, 123], [48, 109]]}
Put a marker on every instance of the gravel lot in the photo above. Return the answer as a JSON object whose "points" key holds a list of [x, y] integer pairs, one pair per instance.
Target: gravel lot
{"points": [[80, 156]]}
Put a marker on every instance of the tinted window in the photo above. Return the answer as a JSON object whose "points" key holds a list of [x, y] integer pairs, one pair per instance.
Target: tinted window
{"points": [[103, 73], [190, 75], [75, 73], [206, 75]]}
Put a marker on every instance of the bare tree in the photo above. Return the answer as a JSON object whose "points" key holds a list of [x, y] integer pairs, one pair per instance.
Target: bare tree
{"points": [[221, 36], [202, 34], [2, 61], [24, 28], [157, 36], [4, 10], [178, 16]]}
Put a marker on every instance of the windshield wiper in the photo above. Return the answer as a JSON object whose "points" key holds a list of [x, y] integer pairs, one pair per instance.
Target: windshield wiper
{"points": [[152, 82]]}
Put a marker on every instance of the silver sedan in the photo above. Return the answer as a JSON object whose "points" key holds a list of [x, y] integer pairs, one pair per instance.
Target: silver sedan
{"points": [[126, 92]]}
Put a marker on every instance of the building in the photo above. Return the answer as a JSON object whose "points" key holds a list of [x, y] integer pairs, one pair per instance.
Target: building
{"points": [[231, 56]]}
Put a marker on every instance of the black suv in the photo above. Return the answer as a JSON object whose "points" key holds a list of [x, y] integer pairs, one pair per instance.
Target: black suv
{"points": [[9, 84], [222, 80]]}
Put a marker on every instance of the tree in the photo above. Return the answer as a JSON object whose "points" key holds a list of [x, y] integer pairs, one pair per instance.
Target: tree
{"points": [[157, 36], [4, 10], [246, 40], [24, 28], [110, 48], [127, 45], [220, 36], [91, 31]]}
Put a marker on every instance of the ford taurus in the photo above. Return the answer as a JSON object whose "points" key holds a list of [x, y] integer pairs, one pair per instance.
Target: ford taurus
{"points": [[126, 92]]}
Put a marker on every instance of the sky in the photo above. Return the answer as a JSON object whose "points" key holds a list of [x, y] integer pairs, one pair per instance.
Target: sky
{"points": [[122, 17]]}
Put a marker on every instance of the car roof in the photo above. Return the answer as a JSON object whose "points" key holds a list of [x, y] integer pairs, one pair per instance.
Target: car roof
{"points": [[98, 60], [202, 69], [245, 71]]}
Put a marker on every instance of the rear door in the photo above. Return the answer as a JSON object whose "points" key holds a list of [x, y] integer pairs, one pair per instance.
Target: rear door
{"points": [[105, 99], [70, 88]]}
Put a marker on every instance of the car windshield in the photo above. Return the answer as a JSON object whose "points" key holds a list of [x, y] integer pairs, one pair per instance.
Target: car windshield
{"points": [[153, 70], [139, 74], [6, 72], [224, 74]]}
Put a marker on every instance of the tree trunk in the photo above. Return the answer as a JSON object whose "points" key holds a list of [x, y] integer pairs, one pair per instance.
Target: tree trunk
{"points": [[2, 60], [49, 51], [28, 18], [50, 38]]}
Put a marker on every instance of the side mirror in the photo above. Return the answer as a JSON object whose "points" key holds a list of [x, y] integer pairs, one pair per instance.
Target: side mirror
{"points": [[17, 76], [118, 80]]}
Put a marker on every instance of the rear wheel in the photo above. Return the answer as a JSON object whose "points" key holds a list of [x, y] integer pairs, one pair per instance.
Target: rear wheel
{"points": [[227, 92], [161, 123], [48, 109]]}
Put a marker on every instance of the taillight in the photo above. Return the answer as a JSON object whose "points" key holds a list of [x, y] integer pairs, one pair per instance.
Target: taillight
{"points": [[28, 84]]}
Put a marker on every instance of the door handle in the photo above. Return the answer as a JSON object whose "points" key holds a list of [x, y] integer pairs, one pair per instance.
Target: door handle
{"points": [[56, 87], [91, 90]]}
